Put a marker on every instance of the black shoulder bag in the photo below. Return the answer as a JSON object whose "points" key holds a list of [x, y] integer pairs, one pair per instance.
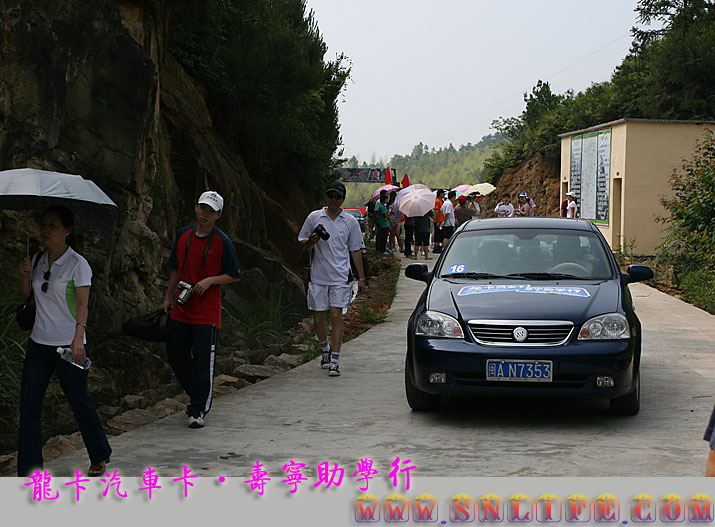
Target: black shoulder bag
{"points": [[148, 327], [25, 312], [152, 326]]}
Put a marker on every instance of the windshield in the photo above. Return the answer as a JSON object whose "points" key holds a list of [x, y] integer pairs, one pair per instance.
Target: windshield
{"points": [[529, 254], [354, 212]]}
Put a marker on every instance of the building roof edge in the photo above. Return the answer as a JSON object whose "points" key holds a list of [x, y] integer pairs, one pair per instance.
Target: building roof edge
{"points": [[631, 120]]}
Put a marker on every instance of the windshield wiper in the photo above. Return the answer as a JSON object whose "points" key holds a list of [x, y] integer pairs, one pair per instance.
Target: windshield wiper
{"points": [[477, 276], [548, 276]]}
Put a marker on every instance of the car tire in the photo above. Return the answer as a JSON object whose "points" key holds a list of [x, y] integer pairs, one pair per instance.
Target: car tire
{"points": [[416, 398], [628, 404]]}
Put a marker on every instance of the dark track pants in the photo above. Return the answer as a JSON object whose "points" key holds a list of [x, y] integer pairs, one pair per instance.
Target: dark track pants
{"points": [[40, 362], [409, 234], [191, 349], [381, 239]]}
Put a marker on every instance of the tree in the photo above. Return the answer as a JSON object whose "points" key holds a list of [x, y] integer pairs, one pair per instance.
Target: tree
{"points": [[690, 226], [271, 92]]}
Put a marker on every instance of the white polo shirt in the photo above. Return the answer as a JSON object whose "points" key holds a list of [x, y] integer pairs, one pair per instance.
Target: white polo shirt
{"points": [[56, 316], [331, 258]]}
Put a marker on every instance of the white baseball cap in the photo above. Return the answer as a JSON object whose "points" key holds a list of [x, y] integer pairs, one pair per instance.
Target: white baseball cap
{"points": [[213, 199], [572, 194]]}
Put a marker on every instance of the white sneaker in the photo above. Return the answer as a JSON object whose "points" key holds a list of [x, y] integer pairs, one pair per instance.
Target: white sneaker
{"points": [[196, 422]]}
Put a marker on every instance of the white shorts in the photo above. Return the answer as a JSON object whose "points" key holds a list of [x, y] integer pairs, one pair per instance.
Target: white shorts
{"points": [[323, 297]]}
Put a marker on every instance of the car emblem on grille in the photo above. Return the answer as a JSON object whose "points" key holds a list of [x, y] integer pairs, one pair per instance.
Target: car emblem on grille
{"points": [[520, 334]]}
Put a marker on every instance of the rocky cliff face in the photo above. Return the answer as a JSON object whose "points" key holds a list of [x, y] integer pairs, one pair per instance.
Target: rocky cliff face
{"points": [[89, 88], [538, 178]]}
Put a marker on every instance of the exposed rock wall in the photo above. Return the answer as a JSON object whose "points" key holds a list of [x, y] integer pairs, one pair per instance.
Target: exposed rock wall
{"points": [[538, 178], [89, 88]]}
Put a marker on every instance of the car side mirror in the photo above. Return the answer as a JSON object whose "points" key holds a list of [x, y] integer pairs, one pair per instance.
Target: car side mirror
{"points": [[418, 272], [637, 273]]}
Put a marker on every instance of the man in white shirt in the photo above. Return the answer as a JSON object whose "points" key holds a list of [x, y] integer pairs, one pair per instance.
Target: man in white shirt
{"points": [[505, 209], [449, 220], [571, 208], [330, 287]]}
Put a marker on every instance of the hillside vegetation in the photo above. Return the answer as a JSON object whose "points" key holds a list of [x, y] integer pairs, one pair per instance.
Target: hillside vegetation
{"points": [[436, 168], [271, 92], [668, 74]]}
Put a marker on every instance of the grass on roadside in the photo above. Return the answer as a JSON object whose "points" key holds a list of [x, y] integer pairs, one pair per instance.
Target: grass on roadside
{"points": [[698, 288], [373, 317], [312, 352], [267, 318]]}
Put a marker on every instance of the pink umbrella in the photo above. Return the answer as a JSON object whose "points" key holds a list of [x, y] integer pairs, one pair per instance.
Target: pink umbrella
{"points": [[401, 194], [417, 203], [461, 188], [388, 188]]}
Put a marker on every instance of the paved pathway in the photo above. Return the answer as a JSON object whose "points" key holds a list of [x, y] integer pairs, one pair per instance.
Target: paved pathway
{"points": [[306, 416]]}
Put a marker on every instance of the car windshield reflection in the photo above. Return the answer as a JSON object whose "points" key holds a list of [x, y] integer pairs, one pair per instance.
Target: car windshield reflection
{"points": [[527, 254]]}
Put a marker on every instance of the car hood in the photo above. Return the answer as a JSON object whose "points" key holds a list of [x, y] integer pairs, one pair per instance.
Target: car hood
{"points": [[575, 300]]}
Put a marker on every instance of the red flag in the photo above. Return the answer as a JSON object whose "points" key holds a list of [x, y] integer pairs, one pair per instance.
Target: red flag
{"points": [[405, 181], [388, 176]]}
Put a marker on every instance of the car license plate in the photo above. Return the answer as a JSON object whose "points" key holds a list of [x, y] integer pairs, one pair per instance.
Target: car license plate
{"points": [[519, 370]]}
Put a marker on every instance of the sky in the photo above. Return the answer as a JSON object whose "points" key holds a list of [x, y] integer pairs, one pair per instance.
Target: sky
{"points": [[440, 71]]}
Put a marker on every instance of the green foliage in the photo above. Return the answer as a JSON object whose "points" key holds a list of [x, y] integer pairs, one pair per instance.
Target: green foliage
{"points": [[265, 320], [698, 288], [312, 352], [668, 74], [270, 91], [371, 316], [690, 227], [624, 253]]}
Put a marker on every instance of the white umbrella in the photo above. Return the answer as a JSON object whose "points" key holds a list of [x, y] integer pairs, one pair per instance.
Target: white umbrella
{"points": [[30, 188], [401, 194], [417, 203], [482, 188]]}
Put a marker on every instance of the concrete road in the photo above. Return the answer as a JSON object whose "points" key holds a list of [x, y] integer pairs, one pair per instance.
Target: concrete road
{"points": [[306, 416]]}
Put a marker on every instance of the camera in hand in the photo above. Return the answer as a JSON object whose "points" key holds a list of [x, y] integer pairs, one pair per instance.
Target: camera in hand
{"points": [[185, 293], [320, 231]]}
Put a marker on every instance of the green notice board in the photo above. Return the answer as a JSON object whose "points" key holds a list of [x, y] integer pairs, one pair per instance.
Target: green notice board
{"points": [[591, 174]]}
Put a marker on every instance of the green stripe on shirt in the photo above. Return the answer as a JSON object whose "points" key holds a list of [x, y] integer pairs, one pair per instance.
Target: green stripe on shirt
{"points": [[71, 297]]}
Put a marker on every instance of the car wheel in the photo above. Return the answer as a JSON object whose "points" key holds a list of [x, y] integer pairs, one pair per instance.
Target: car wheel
{"points": [[416, 398], [628, 404]]}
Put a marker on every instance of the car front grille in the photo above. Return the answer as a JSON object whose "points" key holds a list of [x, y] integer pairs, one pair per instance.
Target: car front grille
{"points": [[539, 332]]}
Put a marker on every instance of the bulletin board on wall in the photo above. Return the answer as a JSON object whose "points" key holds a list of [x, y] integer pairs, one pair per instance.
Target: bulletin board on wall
{"points": [[591, 174]]}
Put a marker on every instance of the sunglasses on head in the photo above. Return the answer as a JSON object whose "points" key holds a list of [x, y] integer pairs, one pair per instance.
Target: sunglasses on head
{"points": [[46, 278]]}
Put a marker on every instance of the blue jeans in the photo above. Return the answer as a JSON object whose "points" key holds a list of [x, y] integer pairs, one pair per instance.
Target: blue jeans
{"points": [[40, 362]]}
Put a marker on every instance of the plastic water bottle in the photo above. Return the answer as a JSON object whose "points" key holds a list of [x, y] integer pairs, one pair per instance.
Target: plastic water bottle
{"points": [[68, 355]]}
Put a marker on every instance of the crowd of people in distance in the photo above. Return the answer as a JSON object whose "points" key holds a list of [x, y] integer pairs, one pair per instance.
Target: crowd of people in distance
{"points": [[412, 236]]}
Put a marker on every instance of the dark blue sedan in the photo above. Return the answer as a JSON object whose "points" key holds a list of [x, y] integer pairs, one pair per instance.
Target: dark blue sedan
{"points": [[525, 306]]}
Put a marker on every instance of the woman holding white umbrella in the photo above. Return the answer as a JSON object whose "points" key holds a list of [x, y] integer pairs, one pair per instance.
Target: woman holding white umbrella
{"points": [[59, 278]]}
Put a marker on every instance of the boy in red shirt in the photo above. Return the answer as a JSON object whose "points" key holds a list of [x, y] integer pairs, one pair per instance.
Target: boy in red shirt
{"points": [[202, 260]]}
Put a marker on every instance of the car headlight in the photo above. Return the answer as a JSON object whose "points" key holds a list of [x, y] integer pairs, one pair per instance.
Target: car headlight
{"points": [[605, 327], [434, 324]]}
